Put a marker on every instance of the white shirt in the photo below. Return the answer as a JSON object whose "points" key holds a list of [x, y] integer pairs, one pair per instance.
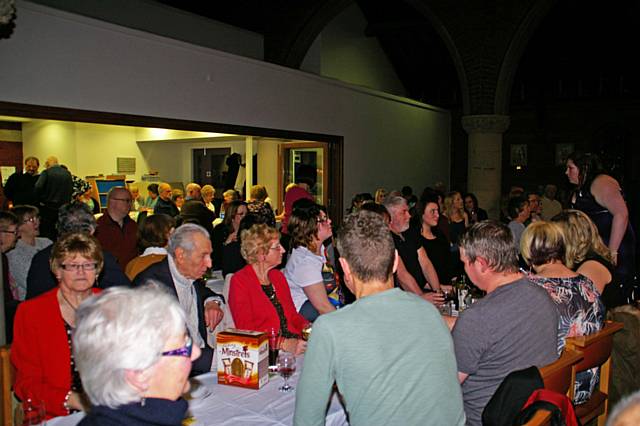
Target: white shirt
{"points": [[303, 269], [187, 298]]}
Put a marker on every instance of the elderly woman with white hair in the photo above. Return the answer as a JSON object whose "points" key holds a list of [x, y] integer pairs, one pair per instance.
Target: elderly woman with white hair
{"points": [[134, 354]]}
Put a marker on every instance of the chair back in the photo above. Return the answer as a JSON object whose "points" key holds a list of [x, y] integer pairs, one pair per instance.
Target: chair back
{"points": [[6, 381], [560, 375], [596, 347], [228, 318]]}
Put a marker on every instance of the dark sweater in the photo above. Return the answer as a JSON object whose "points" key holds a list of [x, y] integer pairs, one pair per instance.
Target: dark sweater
{"points": [[160, 412]]}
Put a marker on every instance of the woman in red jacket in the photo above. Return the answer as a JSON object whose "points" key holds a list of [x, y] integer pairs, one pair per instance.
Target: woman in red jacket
{"points": [[259, 296], [41, 350]]}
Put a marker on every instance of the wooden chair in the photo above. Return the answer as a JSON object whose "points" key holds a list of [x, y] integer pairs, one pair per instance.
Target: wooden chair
{"points": [[541, 418], [596, 349], [559, 376], [6, 380]]}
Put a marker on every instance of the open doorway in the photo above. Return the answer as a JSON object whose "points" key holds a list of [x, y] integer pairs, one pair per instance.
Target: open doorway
{"points": [[174, 150]]}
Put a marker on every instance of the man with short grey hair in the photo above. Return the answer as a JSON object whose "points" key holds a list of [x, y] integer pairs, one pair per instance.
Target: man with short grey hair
{"points": [[415, 270], [412, 381], [164, 204], [513, 327], [73, 217], [194, 210], [189, 257]]}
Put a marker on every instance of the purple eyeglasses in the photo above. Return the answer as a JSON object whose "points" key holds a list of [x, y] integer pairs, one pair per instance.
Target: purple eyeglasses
{"points": [[183, 351]]}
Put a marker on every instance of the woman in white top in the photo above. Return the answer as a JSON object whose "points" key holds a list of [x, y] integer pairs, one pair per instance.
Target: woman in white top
{"points": [[27, 246], [309, 227]]}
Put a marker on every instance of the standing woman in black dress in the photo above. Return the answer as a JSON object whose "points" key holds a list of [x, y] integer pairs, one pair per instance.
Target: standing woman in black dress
{"points": [[600, 197]]}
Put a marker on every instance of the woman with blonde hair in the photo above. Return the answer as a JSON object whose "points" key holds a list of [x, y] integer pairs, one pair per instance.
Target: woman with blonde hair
{"points": [[586, 252], [457, 217], [580, 309], [207, 192], [259, 206], [41, 352], [259, 296], [456, 223]]}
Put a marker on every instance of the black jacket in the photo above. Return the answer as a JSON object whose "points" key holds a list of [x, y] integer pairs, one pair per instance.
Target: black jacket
{"points": [[160, 273]]}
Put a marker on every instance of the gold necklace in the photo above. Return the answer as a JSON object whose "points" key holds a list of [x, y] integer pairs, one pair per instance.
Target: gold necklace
{"points": [[67, 300]]}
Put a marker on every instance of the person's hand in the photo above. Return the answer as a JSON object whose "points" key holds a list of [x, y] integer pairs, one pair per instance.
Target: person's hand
{"points": [[434, 297], [295, 346], [614, 258], [212, 314], [231, 238]]}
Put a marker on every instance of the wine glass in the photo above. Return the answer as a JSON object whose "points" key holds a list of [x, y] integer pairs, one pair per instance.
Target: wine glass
{"points": [[286, 368]]}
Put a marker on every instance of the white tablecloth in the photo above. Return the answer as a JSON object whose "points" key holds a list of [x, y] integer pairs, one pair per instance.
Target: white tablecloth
{"points": [[232, 406]]}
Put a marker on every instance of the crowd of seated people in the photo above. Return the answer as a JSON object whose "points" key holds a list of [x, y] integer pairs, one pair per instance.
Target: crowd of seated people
{"points": [[287, 280]]}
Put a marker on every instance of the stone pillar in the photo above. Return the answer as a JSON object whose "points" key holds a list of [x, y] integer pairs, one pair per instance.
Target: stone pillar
{"points": [[484, 173]]}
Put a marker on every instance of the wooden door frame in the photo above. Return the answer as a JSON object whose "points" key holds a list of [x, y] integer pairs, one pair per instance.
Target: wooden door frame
{"points": [[325, 166]]}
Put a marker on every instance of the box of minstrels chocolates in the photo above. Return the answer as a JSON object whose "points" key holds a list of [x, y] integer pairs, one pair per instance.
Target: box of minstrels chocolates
{"points": [[243, 358]]}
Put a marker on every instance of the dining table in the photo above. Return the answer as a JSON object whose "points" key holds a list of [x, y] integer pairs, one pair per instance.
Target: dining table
{"points": [[211, 403]]}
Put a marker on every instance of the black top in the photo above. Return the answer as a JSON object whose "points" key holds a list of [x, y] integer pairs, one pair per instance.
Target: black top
{"points": [[218, 238], [270, 292], [20, 189], [456, 229], [194, 211], [54, 187], [76, 382], [408, 245], [232, 260], [166, 207], [154, 412], [625, 270], [439, 254]]}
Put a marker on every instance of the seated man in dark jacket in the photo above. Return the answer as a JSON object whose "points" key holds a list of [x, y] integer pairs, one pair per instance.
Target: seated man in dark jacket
{"points": [[189, 257], [165, 205], [74, 217]]}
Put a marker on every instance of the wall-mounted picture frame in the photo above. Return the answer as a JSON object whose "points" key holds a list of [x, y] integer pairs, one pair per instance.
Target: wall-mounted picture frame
{"points": [[562, 152], [518, 155]]}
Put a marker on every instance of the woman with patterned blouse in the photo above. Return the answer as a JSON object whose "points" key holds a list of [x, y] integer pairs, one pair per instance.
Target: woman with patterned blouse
{"points": [[580, 309]]}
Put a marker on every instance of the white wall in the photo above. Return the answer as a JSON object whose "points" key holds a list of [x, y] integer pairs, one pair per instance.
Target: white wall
{"points": [[343, 51], [157, 18], [59, 59], [45, 138], [267, 150]]}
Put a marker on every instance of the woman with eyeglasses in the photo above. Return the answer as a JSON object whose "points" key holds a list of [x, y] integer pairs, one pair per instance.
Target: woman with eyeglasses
{"points": [[310, 275], [259, 296], [27, 245], [41, 350], [134, 355], [8, 233]]}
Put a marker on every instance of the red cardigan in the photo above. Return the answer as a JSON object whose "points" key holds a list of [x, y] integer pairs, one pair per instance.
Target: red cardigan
{"points": [[251, 308], [40, 353]]}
